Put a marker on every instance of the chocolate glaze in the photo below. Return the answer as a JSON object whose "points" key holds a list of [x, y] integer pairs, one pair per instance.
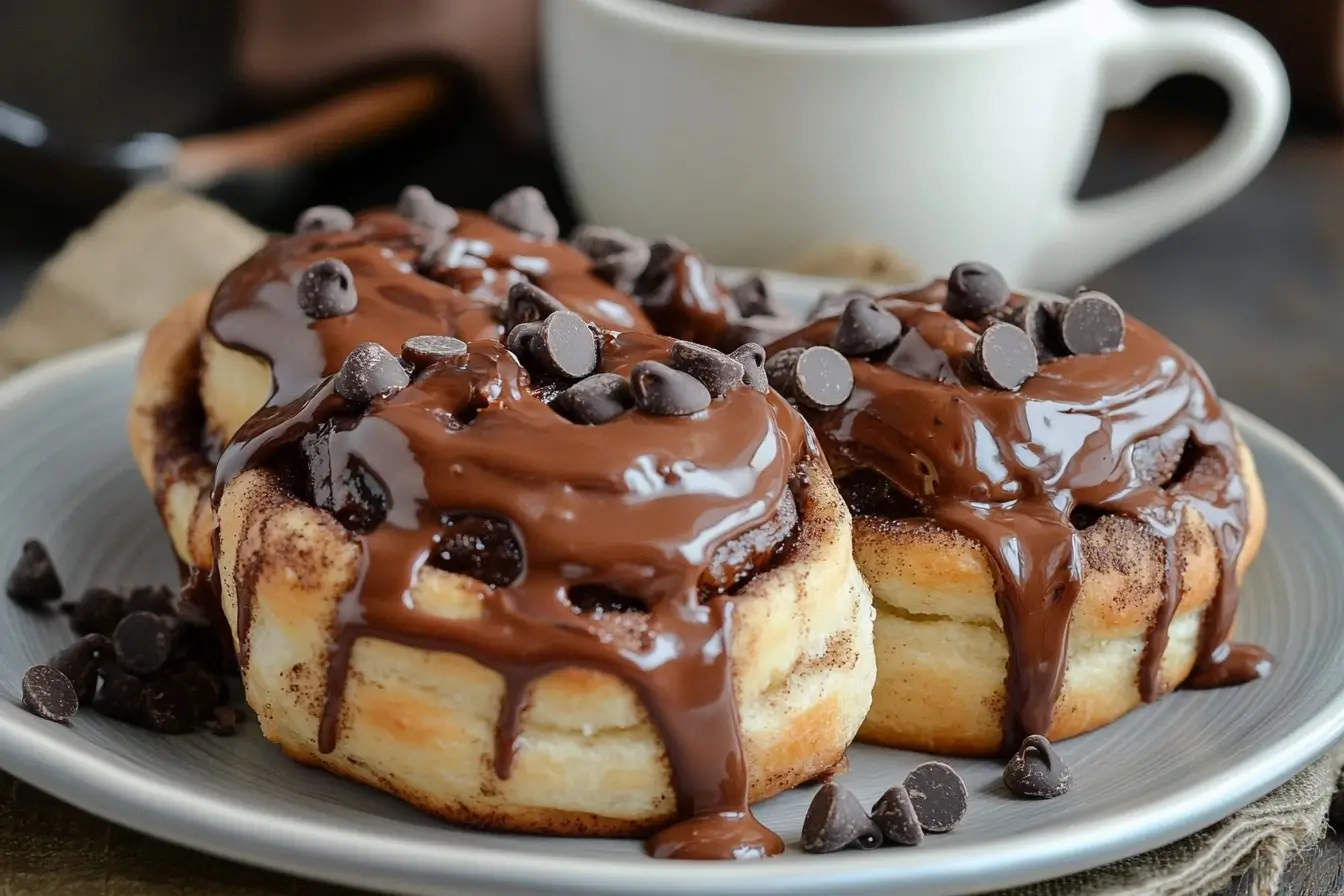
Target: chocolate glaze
{"points": [[668, 514], [1009, 469]]}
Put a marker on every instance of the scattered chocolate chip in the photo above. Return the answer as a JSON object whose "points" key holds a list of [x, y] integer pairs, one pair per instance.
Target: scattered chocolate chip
{"points": [[97, 611], [1038, 317], [1005, 357], [525, 210], [865, 328], [327, 289], [1092, 324], [324, 219], [752, 297], [370, 371], [658, 389], [663, 257], [418, 205], [1037, 771], [33, 581], [894, 815], [597, 399], [713, 368], [752, 358], [224, 723], [618, 257], [527, 303], [80, 662], [835, 820], [519, 340], [423, 351], [564, 346], [779, 369], [143, 642], [975, 290], [169, 706], [49, 694], [152, 599], [121, 695], [939, 796], [822, 378], [830, 304]]}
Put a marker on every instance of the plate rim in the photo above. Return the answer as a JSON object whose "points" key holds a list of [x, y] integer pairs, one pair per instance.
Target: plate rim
{"points": [[115, 789]]}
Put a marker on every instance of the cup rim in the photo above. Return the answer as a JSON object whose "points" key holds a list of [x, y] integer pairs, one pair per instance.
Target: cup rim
{"points": [[694, 24]]}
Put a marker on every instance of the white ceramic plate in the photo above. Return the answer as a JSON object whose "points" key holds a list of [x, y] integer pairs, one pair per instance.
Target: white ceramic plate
{"points": [[66, 477]]}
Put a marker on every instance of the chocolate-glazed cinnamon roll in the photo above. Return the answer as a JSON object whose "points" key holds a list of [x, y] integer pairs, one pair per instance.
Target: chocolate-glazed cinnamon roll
{"points": [[1051, 507]]}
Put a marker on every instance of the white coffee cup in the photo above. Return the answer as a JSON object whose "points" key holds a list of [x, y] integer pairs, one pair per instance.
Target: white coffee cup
{"points": [[758, 142]]}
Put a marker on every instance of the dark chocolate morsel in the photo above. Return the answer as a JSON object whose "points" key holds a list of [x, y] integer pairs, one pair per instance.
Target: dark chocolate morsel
{"points": [[423, 351], [143, 642], [564, 346], [835, 820], [658, 389], [97, 611], [663, 257], [713, 368], [829, 304], [865, 328], [80, 662], [939, 796], [324, 219], [519, 340], [1092, 324], [121, 695], [152, 599], [370, 371], [170, 706], [752, 358], [1036, 771], [596, 399], [327, 289], [1038, 317], [49, 694], [894, 814], [526, 211], [1005, 356], [618, 257], [33, 581], [822, 378], [779, 369], [418, 205], [752, 297], [527, 303], [975, 290]]}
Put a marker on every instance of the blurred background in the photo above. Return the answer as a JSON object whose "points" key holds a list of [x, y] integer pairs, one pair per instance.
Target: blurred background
{"points": [[270, 106]]}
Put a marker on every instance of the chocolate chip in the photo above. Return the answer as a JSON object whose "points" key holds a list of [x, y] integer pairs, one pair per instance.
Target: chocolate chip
{"points": [[752, 358], [423, 351], [652, 282], [519, 340], [418, 205], [1005, 357], [618, 257], [327, 289], [939, 796], [658, 389], [822, 378], [830, 304], [97, 611], [894, 815], [752, 297], [527, 303], [33, 581], [370, 371], [169, 707], [224, 723], [1038, 317], [1037, 771], [121, 695], [835, 820], [200, 641], [713, 368], [143, 642], [975, 290], [324, 219], [780, 367], [865, 328], [597, 399], [49, 694], [80, 662], [1092, 324], [525, 210], [564, 346], [151, 599]]}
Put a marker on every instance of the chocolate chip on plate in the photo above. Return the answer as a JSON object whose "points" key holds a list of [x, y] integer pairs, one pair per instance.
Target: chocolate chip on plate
{"points": [[618, 257], [417, 205], [564, 346], [527, 303], [526, 211], [752, 297], [121, 695], [597, 399], [97, 611], [170, 706], [1092, 324], [1038, 317], [327, 289], [752, 358], [33, 581], [835, 820], [939, 796], [713, 368], [894, 814], [143, 642], [422, 351], [80, 662], [865, 328], [822, 378], [324, 219], [1037, 771], [1005, 357], [658, 389], [370, 371], [974, 290], [49, 694], [519, 340], [153, 599]]}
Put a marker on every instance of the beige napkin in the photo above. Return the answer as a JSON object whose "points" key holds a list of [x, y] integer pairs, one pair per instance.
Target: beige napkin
{"points": [[157, 246]]}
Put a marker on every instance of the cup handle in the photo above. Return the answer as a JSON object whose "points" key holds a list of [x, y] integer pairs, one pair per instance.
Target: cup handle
{"points": [[1140, 48]]}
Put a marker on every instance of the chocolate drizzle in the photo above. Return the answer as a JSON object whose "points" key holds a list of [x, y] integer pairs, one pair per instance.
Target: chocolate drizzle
{"points": [[669, 514], [1010, 469]]}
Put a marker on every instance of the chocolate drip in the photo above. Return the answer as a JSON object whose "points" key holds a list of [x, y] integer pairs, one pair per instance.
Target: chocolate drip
{"points": [[1008, 469]]}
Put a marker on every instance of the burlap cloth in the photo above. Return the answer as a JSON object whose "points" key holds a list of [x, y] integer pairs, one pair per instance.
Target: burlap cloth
{"points": [[156, 247]]}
